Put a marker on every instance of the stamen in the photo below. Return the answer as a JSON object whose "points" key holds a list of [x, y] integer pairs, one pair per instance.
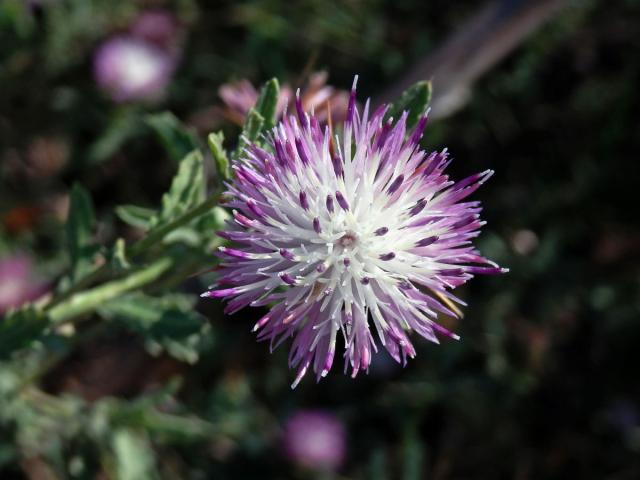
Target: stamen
{"points": [[396, 184], [418, 207], [342, 201], [425, 242], [387, 256], [304, 203], [330, 204], [287, 254], [286, 278]]}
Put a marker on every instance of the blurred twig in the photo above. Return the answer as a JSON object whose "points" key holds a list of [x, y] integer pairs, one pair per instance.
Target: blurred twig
{"points": [[479, 44]]}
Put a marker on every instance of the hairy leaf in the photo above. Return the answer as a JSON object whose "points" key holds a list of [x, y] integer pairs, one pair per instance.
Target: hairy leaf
{"points": [[413, 100], [80, 225], [215, 141], [135, 216], [187, 188], [267, 104]]}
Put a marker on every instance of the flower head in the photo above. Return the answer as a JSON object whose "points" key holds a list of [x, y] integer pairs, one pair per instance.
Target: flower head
{"points": [[358, 236], [129, 68], [315, 439]]}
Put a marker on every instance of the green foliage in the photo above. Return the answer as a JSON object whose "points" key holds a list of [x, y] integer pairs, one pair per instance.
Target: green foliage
{"points": [[19, 329], [136, 216], [414, 100], [80, 226], [267, 104], [260, 118], [186, 191], [215, 141], [168, 323], [176, 138], [135, 459]]}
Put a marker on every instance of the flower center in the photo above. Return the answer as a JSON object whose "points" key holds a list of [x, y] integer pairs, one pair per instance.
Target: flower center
{"points": [[348, 240]]}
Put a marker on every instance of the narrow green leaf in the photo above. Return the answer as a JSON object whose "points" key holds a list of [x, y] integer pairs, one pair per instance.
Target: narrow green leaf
{"points": [[19, 329], [413, 100], [252, 128], [267, 104], [119, 257], [254, 125], [135, 459], [167, 323], [136, 216], [413, 453], [216, 141], [123, 125], [79, 232], [378, 464], [176, 138], [187, 188]]}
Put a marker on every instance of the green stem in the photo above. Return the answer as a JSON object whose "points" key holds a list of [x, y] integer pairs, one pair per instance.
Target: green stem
{"points": [[144, 244], [159, 233], [87, 301]]}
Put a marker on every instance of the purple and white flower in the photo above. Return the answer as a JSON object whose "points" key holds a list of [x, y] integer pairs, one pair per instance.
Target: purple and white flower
{"points": [[357, 236], [130, 69], [315, 439]]}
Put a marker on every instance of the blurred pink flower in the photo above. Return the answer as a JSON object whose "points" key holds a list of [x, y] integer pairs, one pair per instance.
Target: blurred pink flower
{"points": [[18, 283], [130, 69], [240, 96], [158, 26], [315, 439]]}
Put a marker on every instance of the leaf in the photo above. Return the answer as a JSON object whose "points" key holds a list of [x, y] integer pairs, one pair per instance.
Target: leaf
{"points": [[413, 100], [167, 323], [176, 138], [267, 104], [135, 459], [20, 328], [136, 216], [187, 188], [145, 413], [119, 257], [252, 128], [253, 125], [79, 231], [123, 125], [215, 141], [413, 453]]}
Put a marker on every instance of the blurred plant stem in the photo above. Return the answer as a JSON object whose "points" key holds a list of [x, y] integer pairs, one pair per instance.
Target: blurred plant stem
{"points": [[75, 301], [87, 301]]}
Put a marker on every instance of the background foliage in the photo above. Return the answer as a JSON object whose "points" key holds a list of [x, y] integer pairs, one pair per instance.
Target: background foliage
{"points": [[140, 380]]}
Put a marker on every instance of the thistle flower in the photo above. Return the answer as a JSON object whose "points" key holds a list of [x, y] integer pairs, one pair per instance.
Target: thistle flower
{"points": [[315, 439], [129, 68], [357, 236]]}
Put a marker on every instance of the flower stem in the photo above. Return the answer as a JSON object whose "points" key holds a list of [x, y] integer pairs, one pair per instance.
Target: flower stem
{"points": [[155, 236], [87, 301]]}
